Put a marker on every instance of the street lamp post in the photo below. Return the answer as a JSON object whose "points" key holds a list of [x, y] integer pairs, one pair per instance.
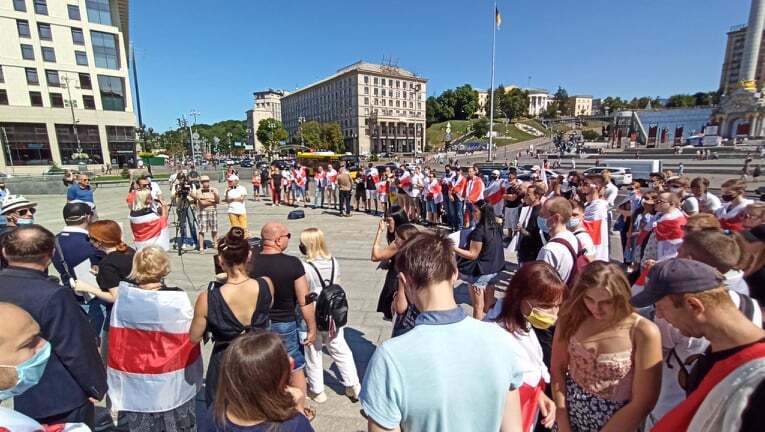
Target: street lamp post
{"points": [[417, 88], [67, 85]]}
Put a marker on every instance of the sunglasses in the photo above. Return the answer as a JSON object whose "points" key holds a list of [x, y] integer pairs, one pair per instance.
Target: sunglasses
{"points": [[659, 201], [23, 212], [683, 374]]}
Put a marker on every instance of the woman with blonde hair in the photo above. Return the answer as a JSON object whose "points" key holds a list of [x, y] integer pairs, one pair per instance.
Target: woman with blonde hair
{"points": [[321, 271], [606, 359]]}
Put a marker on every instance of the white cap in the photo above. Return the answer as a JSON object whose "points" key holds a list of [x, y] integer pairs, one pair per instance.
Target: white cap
{"points": [[495, 172], [14, 202], [233, 177]]}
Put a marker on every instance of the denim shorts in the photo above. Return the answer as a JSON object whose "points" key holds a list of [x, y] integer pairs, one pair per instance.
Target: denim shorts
{"points": [[431, 206], [297, 190], [481, 281], [288, 331]]}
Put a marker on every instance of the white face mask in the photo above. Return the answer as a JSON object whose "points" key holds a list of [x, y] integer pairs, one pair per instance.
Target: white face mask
{"points": [[676, 190]]}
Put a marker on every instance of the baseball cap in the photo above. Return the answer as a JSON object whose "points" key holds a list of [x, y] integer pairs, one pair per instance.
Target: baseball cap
{"points": [[204, 178], [756, 234], [677, 276], [495, 172], [233, 177], [76, 211], [14, 202]]}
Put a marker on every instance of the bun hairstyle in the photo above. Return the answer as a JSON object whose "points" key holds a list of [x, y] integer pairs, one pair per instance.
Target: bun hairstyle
{"points": [[234, 248], [108, 233]]}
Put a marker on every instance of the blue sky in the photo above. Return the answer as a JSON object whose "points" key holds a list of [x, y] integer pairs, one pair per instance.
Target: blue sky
{"points": [[212, 54]]}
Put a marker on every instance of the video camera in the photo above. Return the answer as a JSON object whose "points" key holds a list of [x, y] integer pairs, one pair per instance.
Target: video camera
{"points": [[184, 186]]}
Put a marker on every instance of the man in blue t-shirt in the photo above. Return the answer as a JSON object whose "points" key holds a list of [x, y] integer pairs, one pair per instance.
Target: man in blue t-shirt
{"points": [[451, 372], [81, 191]]}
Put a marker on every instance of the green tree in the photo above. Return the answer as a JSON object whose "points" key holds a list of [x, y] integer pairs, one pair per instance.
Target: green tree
{"points": [[564, 105], [514, 103], [447, 100], [481, 127], [270, 132], [310, 132], [465, 102], [332, 137], [433, 111], [680, 101]]}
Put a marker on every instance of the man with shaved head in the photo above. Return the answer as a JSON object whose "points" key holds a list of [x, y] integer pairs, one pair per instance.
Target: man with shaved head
{"points": [[290, 289], [74, 376]]}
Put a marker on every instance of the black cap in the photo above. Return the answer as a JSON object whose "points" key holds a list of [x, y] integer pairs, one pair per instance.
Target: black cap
{"points": [[677, 276], [756, 234], [73, 212]]}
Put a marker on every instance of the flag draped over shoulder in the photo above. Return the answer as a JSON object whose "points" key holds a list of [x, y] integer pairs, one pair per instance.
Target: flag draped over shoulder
{"points": [[669, 233], [152, 364], [596, 223], [149, 229], [494, 193]]}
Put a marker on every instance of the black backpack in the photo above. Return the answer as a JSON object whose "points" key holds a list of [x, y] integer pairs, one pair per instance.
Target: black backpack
{"points": [[332, 304]]}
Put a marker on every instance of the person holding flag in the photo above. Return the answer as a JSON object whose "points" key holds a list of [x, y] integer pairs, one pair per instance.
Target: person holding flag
{"points": [[433, 197], [495, 192], [383, 189], [298, 185], [669, 226], [596, 215], [332, 185], [732, 214], [404, 189], [457, 200], [371, 179], [148, 227], [473, 194]]}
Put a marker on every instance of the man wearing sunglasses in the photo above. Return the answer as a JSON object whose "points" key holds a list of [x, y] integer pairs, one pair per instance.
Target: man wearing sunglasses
{"points": [[18, 211], [691, 297], [81, 192]]}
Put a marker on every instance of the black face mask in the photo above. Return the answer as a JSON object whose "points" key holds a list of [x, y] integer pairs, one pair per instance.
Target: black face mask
{"points": [[493, 177], [728, 198], [303, 249]]}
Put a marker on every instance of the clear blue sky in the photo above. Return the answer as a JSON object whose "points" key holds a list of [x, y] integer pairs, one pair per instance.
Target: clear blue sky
{"points": [[211, 54]]}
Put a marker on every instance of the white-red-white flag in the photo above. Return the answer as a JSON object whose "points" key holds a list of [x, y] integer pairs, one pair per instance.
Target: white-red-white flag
{"points": [[149, 229], [669, 234], [596, 223], [153, 366]]}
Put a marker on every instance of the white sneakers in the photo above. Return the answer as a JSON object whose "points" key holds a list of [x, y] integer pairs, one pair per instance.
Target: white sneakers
{"points": [[352, 393]]}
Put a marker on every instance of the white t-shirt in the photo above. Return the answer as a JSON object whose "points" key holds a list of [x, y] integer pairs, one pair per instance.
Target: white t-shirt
{"points": [[237, 207], [611, 192], [558, 255], [586, 241], [709, 202], [418, 182], [324, 265], [526, 345]]}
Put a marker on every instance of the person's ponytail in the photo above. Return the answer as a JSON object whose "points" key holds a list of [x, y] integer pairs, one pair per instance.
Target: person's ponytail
{"points": [[122, 247]]}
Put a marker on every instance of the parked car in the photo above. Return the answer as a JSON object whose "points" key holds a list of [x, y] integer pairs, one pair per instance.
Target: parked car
{"points": [[620, 176], [246, 163]]}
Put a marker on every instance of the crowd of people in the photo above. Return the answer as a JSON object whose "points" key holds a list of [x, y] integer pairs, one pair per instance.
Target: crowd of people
{"points": [[636, 312]]}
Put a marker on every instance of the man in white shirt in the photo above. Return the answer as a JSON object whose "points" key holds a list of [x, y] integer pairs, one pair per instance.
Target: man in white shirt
{"points": [[611, 191], [235, 197], [553, 219]]}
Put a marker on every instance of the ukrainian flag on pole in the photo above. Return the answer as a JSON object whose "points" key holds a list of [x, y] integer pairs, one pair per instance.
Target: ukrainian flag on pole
{"points": [[497, 17]]}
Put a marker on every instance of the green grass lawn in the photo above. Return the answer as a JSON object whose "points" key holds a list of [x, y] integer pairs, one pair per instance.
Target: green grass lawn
{"points": [[102, 178], [510, 133]]}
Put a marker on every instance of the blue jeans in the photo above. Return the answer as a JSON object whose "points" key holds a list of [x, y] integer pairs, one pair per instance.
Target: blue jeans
{"points": [[319, 196], [288, 331], [469, 210], [457, 213]]}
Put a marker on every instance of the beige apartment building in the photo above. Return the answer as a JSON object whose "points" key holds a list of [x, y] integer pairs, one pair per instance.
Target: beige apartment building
{"points": [[380, 108], [734, 54], [582, 105], [267, 104], [64, 63]]}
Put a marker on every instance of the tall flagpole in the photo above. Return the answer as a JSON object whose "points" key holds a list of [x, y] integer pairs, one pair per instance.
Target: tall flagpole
{"points": [[493, 51]]}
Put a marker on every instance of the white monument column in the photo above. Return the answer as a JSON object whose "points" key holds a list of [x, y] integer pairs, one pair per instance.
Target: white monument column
{"points": [[752, 42]]}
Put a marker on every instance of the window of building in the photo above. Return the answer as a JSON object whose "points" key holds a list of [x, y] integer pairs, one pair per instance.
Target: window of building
{"points": [[121, 141], [56, 100], [3, 97], [52, 78], [390, 82], [81, 57], [74, 12], [27, 52], [99, 11], [375, 80], [105, 50], [383, 92], [27, 143], [35, 98], [78, 38], [32, 78], [112, 93], [383, 102], [2, 77], [366, 79], [90, 142], [88, 102], [20, 5], [366, 101], [49, 55], [43, 29], [23, 28], [376, 101], [85, 82], [366, 90], [41, 7]]}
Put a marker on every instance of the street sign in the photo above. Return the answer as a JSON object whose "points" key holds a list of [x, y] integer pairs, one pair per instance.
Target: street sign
{"points": [[195, 136], [196, 147]]}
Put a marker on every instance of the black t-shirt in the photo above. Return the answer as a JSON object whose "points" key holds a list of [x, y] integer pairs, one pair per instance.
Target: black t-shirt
{"points": [[756, 282], [705, 363], [277, 178], [517, 202], [371, 183], [283, 270], [114, 268], [491, 259]]}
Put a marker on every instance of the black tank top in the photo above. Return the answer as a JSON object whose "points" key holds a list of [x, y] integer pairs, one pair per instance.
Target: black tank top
{"points": [[222, 322]]}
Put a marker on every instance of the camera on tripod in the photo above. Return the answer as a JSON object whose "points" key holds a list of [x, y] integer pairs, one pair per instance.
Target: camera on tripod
{"points": [[184, 186]]}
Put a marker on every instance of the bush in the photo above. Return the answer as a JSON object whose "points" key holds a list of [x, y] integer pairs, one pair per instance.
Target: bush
{"points": [[590, 135], [125, 173], [373, 157], [55, 169]]}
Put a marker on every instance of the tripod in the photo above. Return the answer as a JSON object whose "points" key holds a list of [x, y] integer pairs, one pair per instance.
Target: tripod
{"points": [[182, 211]]}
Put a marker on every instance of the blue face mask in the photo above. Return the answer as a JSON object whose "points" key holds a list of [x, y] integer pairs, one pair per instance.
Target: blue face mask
{"points": [[542, 224], [572, 223], [28, 373], [25, 221]]}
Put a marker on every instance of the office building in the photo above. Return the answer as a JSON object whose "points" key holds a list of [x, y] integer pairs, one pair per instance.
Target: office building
{"points": [[267, 104], [380, 108], [64, 63]]}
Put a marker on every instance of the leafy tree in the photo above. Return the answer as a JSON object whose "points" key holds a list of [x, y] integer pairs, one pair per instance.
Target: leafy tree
{"points": [[514, 103], [564, 105], [270, 132], [310, 132], [680, 100], [465, 102], [481, 127], [332, 137], [433, 111], [447, 100]]}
